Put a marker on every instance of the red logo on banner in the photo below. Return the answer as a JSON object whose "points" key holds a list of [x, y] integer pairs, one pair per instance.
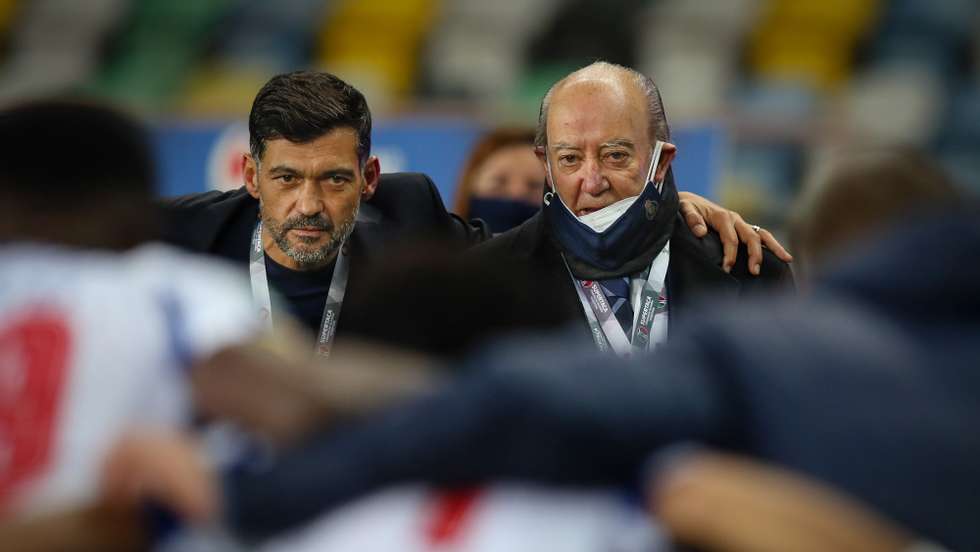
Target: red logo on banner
{"points": [[33, 359]]}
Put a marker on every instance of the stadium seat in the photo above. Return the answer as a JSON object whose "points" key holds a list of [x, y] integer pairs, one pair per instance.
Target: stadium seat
{"points": [[895, 104], [378, 40], [8, 13], [479, 49], [155, 55], [56, 44], [810, 41], [256, 39]]}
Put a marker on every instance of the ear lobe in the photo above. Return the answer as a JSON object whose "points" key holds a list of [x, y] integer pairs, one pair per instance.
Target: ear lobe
{"points": [[250, 174]]}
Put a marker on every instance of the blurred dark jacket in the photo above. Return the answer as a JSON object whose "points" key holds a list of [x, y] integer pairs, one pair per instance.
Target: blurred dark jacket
{"points": [[872, 384]]}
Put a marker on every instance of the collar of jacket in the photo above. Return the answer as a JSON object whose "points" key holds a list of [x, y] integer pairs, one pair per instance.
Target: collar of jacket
{"points": [[641, 251]]}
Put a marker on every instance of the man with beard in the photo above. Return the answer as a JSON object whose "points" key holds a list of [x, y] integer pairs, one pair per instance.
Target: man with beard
{"points": [[308, 169], [316, 207]]}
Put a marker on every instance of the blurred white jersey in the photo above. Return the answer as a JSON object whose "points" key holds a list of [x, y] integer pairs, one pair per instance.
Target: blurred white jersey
{"points": [[92, 344], [507, 517]]}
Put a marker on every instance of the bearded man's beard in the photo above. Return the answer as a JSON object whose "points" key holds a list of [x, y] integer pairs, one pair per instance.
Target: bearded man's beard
{"points": [[309, 258]]}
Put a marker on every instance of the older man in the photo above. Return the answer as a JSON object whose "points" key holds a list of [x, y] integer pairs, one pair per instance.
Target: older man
{"points": [[315, 205], [610, 233]]}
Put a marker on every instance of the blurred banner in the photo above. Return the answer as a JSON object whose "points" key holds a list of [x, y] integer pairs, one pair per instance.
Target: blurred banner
{"points": [[194, 157]]}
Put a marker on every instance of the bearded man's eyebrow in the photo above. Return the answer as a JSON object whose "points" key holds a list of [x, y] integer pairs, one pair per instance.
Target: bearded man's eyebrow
{"points": [[283, 169], [345, 173]]}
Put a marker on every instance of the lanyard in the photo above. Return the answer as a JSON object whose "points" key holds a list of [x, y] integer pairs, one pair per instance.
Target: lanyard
{"points": [[649, 310], [335, 296]]}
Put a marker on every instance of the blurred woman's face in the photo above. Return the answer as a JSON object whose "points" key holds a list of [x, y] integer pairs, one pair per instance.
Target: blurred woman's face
{"points": [[512, 172]]}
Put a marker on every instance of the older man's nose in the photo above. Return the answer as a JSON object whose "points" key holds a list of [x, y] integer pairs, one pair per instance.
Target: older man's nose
{"points": [[593, 183]]}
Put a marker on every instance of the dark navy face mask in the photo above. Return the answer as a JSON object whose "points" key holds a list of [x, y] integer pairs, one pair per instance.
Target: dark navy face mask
{"points": [[501, 214], [618, 245]]}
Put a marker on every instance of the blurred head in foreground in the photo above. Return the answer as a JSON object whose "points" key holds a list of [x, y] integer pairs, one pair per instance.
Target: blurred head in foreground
{"points": [[75, 174], [469, 300], [856, 195], [502, 181]]}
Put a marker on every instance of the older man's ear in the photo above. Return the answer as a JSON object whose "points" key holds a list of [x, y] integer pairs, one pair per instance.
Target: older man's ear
{"points": [[667, 153]]}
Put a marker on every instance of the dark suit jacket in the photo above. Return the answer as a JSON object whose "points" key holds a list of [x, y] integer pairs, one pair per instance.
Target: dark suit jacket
{"points": [[695, 265], [871, 384], [406, 207]]}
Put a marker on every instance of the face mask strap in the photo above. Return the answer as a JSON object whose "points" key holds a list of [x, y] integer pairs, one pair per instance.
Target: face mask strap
{"points": [[654, 163], [553, 193], [551, 179], [547, 197]]}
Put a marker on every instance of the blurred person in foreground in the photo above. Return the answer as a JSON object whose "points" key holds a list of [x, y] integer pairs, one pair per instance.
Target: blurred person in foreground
{"points": [[868, 384], [610, 232], [315, 209], [96, 342], [105, 339], [858, 194], [721, 502]]}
